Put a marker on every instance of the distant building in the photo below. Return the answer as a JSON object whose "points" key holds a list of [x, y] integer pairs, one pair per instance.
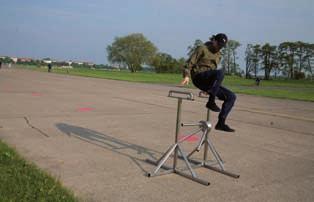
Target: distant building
{"points": [[47, 61], [78, 63], [24, 59], [14, 59], [69, 62], [89, 64]]}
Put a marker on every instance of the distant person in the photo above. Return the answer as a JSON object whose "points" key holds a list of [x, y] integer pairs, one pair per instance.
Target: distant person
{"points": [[203, 66], [49, 67], [257, 81], [0, 64], [186, 77]]}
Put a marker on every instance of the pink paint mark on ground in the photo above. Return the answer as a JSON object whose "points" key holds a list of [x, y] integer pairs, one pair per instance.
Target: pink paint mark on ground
{"points": [[85, 109], [193, 138], [36, 94]]}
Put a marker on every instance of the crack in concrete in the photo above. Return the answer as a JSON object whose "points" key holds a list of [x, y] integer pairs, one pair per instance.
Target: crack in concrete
{"points": [[33, 127]]}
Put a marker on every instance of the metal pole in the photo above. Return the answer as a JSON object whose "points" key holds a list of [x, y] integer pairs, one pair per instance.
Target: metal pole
{"points": [[206, 137], [177, 132], [208, 115]]}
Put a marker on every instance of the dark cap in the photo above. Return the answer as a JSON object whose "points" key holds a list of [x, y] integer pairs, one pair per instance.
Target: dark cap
{"points": [[221, 38]]}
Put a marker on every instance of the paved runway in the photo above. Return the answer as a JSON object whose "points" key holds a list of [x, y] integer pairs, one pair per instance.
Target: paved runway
{"points": [[95, 134]]}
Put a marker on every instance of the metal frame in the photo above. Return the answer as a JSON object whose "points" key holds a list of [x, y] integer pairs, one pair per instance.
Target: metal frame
{"points": [[205, 126], [176, 148]]}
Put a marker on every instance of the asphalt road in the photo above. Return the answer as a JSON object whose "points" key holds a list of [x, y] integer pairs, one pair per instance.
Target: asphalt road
{"points": [[95, 135]]}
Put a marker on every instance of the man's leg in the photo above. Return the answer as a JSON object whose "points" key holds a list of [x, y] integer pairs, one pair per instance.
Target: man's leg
{"points": [[216, 79], [229, 99], [209, 81]]}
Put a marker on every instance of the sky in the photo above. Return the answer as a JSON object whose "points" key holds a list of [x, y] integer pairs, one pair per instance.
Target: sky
{"points": [[80, 30]]}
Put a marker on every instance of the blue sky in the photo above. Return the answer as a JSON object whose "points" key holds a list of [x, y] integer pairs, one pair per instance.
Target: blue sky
{"points": [[81, 30]]}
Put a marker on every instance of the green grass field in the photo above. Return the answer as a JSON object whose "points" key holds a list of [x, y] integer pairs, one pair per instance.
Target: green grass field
{"points": [[285, 89], [21, 181]]}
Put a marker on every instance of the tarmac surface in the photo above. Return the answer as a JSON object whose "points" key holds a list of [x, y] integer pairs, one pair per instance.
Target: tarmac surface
{"points": [[95, 135]]}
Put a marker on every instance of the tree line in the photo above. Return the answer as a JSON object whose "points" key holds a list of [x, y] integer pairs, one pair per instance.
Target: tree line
{"points": [[289, 59]]}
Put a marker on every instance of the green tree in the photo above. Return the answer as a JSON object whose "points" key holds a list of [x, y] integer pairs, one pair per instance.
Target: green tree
{"points": [[229, 56], [255, 59], [226, 60], [163, 62], [252, 60], [310, 59], [248, 60], [133, 50], [6, 60], [270, 59], [303, 51], [193, 47], [233, 46], [287, 52]]}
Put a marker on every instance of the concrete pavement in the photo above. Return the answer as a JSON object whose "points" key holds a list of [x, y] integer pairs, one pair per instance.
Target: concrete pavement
{"points": [[95, 134]]}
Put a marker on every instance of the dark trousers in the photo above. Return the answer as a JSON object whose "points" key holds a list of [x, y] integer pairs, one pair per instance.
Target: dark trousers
{"points": [[210, 81]]}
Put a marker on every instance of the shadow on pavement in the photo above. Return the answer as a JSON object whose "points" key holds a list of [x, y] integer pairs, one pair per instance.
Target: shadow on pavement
{"points": [[135, 152]]}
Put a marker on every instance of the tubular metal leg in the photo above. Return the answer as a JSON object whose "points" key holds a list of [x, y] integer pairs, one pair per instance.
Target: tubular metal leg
{"points": [[187, 162], [214, 152], [163, 160], [198, 147]]}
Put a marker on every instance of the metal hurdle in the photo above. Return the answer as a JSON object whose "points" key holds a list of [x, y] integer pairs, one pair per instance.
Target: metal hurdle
{"points": [[176, 148]]}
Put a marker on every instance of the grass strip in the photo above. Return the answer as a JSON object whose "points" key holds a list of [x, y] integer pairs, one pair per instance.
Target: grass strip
{"points": [[278, 88], [23, 181]]}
